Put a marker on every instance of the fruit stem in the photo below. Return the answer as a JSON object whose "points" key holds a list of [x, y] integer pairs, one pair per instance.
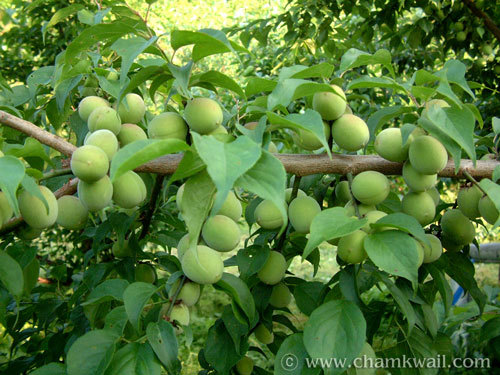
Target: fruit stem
{"points": [[146, 223], [295, 188], [474, 181], [354, 203], [56, 173], [176, 294]]}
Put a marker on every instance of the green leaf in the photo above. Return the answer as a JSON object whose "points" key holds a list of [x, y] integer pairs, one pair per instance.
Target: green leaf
{"points": [[10, 178], [206, 42], [336, 329], [329, 224], [490, 329], [496, 174], [60, 16], [394, 252], [240, 294], [385, 115], [256, 85], [32, 148], [64, 88], [322, 70], [308, 295], [251, 259], [291, 89], [137, 153], [91, 353], [218, 79], [405, 223], [161, 337], [355, 58], [455, 73], [181, 75], [52, 368], [226, 162], [495, 123], [442, 285], [134, 359], [108, 290], [190, 164], [493, 192], [291, 357], [370, 82], [220, 351], [116, 320], [11, 274], [135, 298]]}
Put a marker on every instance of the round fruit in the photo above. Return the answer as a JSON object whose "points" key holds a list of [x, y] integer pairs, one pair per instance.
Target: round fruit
{"points": [[389, 145], [96, 195], [272, 148], [342, 192], [231, 207], [105, 140], [348, 111], [308, 140], [28, 233], [206, 268], [280, 296], [330, 105], [33, 210], [89, 163], [373, 217], [421, 206], [302, 211], [458, 26], [104, 118], [132, 109], [145, 273], [263, 334], [168, 125], [350, 133], [122, 250], [288, 194], [461, 36], [434, 193], [72, 214], [31, 272], [203, 115], [450, 245], [417, 181], [180, 314], [268, 216], [245, 366], [458, 227], [433, 252], [420, 252], [221, 233], [274, 269], [130, 133], [129, 190], [468, 201], [88, 104], [489, 156], [182, 246], [362, 208], [370, 187], [427, 155], [487, 50], [488, 210], [189, 294], [6, 211], [351, 247]]}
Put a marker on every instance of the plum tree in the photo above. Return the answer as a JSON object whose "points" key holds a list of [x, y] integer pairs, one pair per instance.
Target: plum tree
{"points": [[244, 366], [370, 187], [417, 181], [307, 140], [350, 133], [274, 269], [104, 118], [419, 205], [343, 192], [204, 267], [434, 251], [427, 155], [373, 217], [468, 201], [6, 211], [33, 210], [104, 139], [132, 109], [121, 250], [268, 216], [189, 293], [362, 208], [129, 190], [130, 133], [389, 145], [168, 125], [280, 296], [88, 104], [351, 247], [71, 213], [302, 211], [145, 273], [488, 210], [288, 194], [456, 226], [330, 105], [203, 115], [231, 207], [221, 233], [89, 163], [263, 334], [31, 272], [96, 195]]}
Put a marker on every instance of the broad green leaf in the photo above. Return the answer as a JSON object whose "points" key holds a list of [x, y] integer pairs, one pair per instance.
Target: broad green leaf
{"points": [[11, 274], [53, 368], [135, 298], [239, 293], [182, 75], [60, 16], [384, 115], [493, 191], [355, 58], [113, 88], [495, 123], [206, 42], [91, 353], [32, 148], [322, 70], [336, 329], [403, 222], [443, 286], [190, 164], [308, 295], [161, 337], [329, 224], [455, 72], [10, 179], [134, 359], [291, 357], [31, 187], [371, 82], [218, 79], [63, 89], [108, 290], [490, 329], [137, 153], [256, 85], [445, 89], [251, 259], [145, 74], [291, 89], [116, 320], [219, 349]]}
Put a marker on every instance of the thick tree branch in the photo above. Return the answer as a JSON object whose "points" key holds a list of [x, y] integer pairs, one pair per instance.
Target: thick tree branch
{"points": [[488, 22]]}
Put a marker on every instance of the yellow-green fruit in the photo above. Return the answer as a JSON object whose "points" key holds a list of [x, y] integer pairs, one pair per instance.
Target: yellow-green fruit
{"points": [[203, 115], [89, 163], [96, 195], [302, 211], [489, 156], [130, 133], [220, 130], [420, 252], [350, 133], [307, 140], [129, 190], [105, 140], [263, 334], [330, 105], [231, 207], [251, 125], [122, 250], [178, 197], [417, 181], [348, 110], [88, 104], [370, 187], [182, 246], [6, 211], [351, 248], [221, 233], [28, 233], [207, 268], [458, 227], [104, 118], [280, 296], [168, 125], [362, 208], [145, 273], [274, 269], [189, 294], [33, 210], [468, 201], [288, 194], [373, 217], [268, 216], [421, 206], [488, 210], [342, 192], [112, 76], [244, 366], [433, 252], [31, 272], [180, 314], [367, 354], [427, 155], [272, 148], [71, 213], [434, 193], [389, 145], [132, 109]]}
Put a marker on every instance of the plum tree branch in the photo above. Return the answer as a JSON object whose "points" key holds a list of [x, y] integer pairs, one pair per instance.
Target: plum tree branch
{"points": [[488, 22]]}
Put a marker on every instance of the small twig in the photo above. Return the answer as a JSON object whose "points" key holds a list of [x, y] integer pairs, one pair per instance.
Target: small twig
{"points": [[354, 203], [176, 294], [474, 181], [152, 205], [56, 173]]}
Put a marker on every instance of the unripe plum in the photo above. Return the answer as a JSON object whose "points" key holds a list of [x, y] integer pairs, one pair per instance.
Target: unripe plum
{"points": [[96, 195], [268, 216], [449, 244], [231, 207], [307, 140], [221, 233], [189, 294], [130, 133], [219, 130], [330, 105], [434, 193], [427, 155], [433, 252], [370, 187], [145, 273], [421, 206], [182, 246], [488, 210], [207, 268], [168, 125], [28, 233], [6, 211], [104, 118], [457, 226], [351, 248], [420, 252], [362, 208], [129, 190], [274, 269], [373, 217], [389, 145], [203, 115], [122, 250], [342, 192], [417, 181], [263, 334], [288, 194], [88, 104], [72, 214], [468, 201], [180, 314], [89, 163], [104, 139], [350, 133], [33, 210], [302, 211], [132, 109], [244, 366], [280, 296]]}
